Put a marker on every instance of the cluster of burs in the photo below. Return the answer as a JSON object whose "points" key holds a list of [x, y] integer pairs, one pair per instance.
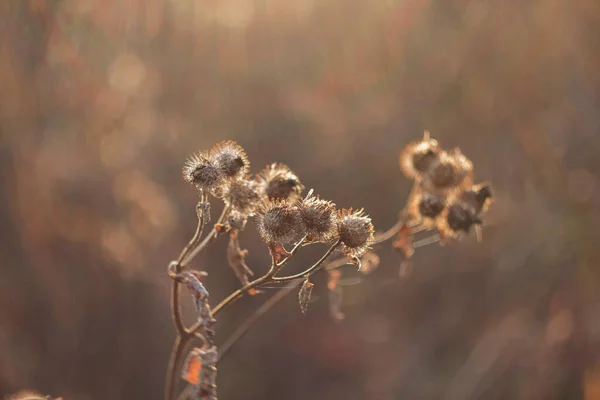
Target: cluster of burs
{"points": [[274, 196], [444, 195]]}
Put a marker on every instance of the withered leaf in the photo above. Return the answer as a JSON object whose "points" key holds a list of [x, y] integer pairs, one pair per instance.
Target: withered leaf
{"points": [[191, 279], [191, 367], [236, 258], [335, 295], [404, 242], [304, 295], [278, 252]]}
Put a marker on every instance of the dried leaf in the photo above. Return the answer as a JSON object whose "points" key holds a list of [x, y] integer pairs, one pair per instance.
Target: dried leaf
{"points": [[191, 368], [335, 295], [236, 257], [404, 242], [200, 370], [335, 303], [304, 295], [334, 278], [278, 252], [191, 279]]}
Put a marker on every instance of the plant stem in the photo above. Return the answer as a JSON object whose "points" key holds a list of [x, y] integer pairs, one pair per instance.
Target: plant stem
{"points": [[212, 235], [176, 286], [252, 320], [310, 270]]}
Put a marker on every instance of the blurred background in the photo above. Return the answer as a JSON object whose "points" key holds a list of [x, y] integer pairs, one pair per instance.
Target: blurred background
{"points": [[102, 101]]}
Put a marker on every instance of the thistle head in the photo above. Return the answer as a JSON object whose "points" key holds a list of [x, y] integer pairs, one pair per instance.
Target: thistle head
{"points": [[450, 171], [430, 206], [278, 182], [461, 218], [355, 232], [319, 218], [200, 171], [417, 157], [230, 159], [242, 195], [279, 222]]}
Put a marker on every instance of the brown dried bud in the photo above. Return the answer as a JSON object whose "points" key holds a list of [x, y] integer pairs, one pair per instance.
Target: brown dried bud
{"points": [[279, 222], [278, 182], [450, 171], [319, 218], [236, 258], [230, 158], [201, 172], [242, 195], [355, 231], [304, 295], [466, 210], [424, 208], [417, 157]]}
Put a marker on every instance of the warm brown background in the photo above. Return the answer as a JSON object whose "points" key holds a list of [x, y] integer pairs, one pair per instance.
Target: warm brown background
{"points": [[102, 100]]}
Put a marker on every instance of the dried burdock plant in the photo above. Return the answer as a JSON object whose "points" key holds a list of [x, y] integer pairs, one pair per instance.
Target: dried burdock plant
{"points": [[443, 199], [230, 159], [278, 182]]}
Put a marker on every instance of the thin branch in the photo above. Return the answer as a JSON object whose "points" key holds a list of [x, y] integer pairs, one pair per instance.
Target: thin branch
{"points": [[176, 285], [310, 270], [174, 360], [212, 235], [254, 318], [387, 235]]}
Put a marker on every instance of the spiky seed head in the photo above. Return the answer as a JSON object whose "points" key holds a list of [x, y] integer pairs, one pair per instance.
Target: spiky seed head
{"points": [[230, 158], [461, 218], [201, 172], [242, 195], [278, 182], [355, 232], [319, 218], [477, 198], [430, 206], [417, 157], [279, 222], [450, 171]]}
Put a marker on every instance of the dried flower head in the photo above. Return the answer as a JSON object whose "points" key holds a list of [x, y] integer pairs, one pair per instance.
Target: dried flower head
{"points": [[202, 172], [230, 158], [319, 218], [242, 195], [279, 222], [478, 197], [278, 182], [465, 212], [425, 207], [417, 157], [450, 171], [355, 231]]}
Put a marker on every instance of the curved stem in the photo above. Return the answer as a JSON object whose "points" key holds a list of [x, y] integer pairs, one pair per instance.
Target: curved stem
{"points": [[310, 270], [212, 235], [174, 360], [176, 286], [254, 318], [241, 291], [387, 235]]}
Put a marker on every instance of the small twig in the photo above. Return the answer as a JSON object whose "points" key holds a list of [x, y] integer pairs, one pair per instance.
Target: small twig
{"points": [[174, 360], [254, 318], [176, 285], [212, 235], [314, 268]]}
